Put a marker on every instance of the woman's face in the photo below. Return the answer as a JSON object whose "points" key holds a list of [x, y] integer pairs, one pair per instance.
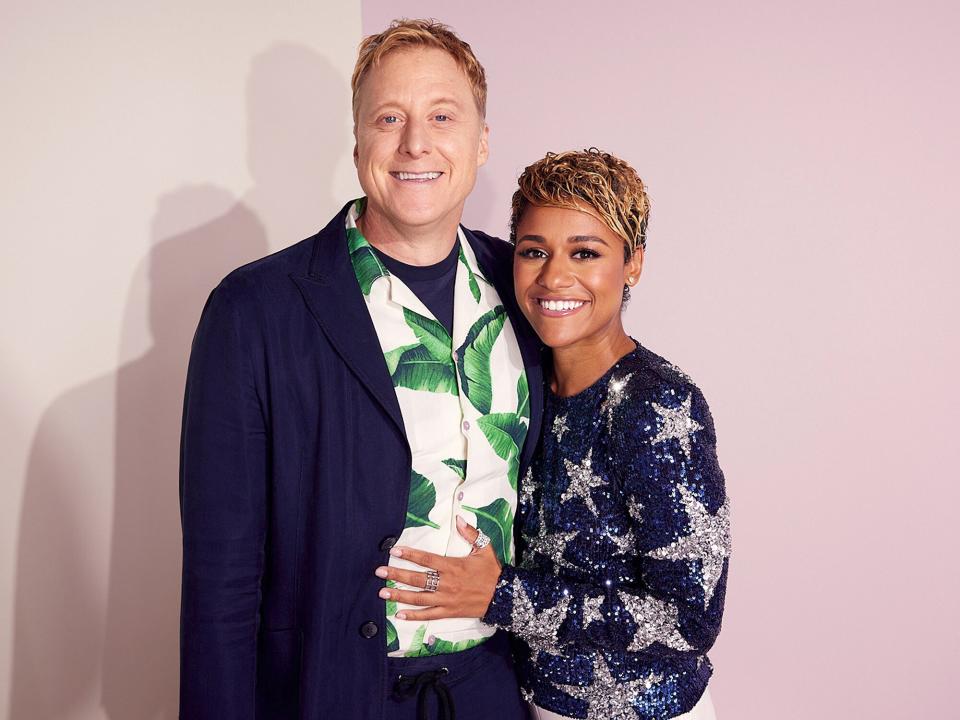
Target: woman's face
{"points": [[569, 274]]}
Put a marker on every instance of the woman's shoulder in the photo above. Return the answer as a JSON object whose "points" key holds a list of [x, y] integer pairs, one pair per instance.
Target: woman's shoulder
{"points": [[647, 373], [652, 390]]}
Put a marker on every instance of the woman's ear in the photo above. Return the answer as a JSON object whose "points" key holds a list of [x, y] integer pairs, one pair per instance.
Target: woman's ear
{"points": [[634, 267]]}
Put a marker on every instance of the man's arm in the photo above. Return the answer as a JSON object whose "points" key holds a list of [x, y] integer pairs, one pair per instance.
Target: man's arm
{"points": [[223, 480]]}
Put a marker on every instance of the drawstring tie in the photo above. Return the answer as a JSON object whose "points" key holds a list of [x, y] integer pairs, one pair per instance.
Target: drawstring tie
{"points": [[409, 685]]}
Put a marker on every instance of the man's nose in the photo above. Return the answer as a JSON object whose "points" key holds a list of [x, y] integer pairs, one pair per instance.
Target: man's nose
{"points": [[415, 140]]}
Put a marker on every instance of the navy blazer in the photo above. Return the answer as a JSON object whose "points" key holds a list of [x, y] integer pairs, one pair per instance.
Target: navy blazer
{"points": [[295, 472]]}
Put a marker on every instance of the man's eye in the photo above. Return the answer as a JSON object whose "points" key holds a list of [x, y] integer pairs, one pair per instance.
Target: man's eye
{"points": [[391, 119], [441, 117]]}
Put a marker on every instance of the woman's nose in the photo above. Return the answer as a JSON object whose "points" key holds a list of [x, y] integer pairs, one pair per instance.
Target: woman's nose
{"points": [[555, 274]]}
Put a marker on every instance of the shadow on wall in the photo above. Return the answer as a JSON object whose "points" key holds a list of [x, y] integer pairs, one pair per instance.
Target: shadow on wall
{"points": [[84, 649]]}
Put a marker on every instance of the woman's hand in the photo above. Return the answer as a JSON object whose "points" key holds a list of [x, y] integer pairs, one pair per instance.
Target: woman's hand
{"points": [[466, 584]]}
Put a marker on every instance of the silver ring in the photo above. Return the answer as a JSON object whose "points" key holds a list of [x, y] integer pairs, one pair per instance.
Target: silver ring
{"points": [[433, 581], [482, 540]]}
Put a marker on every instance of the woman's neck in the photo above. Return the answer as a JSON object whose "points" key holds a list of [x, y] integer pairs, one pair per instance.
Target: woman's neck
{"points": [[579, 366]]}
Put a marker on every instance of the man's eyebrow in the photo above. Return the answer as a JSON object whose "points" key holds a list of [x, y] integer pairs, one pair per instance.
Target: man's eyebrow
{"points": [[442, 100], [446, 100]]}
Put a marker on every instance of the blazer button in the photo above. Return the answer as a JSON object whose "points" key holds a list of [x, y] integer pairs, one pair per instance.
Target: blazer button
{"points": [[388, 542], [369, 629]]}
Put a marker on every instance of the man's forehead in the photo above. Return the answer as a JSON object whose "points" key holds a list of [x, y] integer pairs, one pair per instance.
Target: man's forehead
{"points": [[420, 72]]}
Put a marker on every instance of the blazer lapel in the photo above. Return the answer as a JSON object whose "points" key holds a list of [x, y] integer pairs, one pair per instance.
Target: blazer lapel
{"points": [[333, 296]]}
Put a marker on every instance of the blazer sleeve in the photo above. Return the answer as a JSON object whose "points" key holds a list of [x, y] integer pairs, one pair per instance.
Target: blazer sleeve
{"points": [[674, 485], [223, 481]]}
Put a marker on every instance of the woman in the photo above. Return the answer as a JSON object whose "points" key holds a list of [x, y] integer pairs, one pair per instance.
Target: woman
{"points": [[623, 516]]}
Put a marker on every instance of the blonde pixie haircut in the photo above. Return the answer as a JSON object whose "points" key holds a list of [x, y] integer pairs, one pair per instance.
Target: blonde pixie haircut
{"points": [[407, 34], [589, 180]]}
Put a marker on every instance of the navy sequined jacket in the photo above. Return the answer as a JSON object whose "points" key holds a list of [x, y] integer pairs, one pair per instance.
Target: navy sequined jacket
{"points": [[624, 546]]}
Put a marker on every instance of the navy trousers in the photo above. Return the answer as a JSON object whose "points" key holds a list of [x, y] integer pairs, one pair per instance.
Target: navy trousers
{"points": [[480, 681]]}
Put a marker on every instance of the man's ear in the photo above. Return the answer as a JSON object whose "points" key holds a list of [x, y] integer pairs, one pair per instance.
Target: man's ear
{"points": [[483, 151]]}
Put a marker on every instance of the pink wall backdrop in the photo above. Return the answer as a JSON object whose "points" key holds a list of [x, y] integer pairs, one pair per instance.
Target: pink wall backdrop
{"points": [[802, 160]]}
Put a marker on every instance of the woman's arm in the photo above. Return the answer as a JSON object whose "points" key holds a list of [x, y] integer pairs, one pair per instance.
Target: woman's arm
{"points": [[675, 491]]}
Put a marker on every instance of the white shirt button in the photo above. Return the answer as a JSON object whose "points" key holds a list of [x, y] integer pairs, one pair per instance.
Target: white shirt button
{"points": [[466, 425], [460, 495]]}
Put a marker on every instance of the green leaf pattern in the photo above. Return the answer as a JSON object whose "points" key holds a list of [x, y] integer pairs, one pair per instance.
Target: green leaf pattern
{"points": [[458, 466], [496, 520], [468, 384], [423, 498], [366, 265], [471, 277], [473, 358]]}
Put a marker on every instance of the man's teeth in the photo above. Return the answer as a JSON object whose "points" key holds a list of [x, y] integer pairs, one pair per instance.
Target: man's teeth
{"points": [[558, 305], [419, 176]]}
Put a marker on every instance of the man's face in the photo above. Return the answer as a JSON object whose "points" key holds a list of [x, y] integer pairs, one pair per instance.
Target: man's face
{"points": [[419, 140]]}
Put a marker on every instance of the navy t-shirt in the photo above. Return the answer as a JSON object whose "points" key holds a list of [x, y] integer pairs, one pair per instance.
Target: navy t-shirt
{"points": [[433, 284]]}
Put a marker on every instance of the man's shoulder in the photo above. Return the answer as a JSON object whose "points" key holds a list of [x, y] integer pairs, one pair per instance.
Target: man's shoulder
{"points": [[268, 271], [273, 271], [494, 255], [499, 249]]}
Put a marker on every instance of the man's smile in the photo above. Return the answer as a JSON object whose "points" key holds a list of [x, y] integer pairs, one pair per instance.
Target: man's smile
{"points": [[418, 177]]}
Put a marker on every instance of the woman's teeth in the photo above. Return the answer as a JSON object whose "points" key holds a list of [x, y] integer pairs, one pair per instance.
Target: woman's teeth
{"points": [[559, 305], [418, 176]]}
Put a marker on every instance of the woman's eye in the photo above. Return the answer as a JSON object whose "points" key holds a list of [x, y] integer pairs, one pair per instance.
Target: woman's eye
{"points": [[585, 254], [532, 252], [441, 117]]}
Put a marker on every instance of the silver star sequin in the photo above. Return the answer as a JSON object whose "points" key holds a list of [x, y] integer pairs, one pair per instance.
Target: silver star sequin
{"points": [[676, 423], [708, 541], [625, 543], [635, 509], [616, 394], [582, 479], [591, 610], [656, 621], [526, 489], [560, 426], [609, 698], [539, 628], [552, 545]]}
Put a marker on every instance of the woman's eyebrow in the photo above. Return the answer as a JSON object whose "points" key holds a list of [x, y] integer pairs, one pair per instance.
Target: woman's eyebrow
{"points": [[586, 238]]}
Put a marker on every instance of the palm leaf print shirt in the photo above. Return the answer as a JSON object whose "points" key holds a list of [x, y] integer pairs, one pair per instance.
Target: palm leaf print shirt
{"points": [[625, 537], [465, 406]]}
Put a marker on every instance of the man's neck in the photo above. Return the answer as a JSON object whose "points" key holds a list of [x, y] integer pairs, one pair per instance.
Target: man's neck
{"points": [[414, 246]]}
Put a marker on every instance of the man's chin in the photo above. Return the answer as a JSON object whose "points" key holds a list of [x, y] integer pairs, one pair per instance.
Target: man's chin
{"points": [[415, 218]]}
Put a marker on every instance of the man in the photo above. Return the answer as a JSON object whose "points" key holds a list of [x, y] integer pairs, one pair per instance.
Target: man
{"points": [[361, 388]]}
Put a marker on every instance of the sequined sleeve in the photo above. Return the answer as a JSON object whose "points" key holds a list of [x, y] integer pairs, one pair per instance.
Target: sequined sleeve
{"points": [[670, 486]]}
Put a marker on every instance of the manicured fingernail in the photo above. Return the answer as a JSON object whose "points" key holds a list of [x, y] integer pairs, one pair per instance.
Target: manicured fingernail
{"points": [[380, 572], [384, 594], [396, 552], [401, 616]]}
